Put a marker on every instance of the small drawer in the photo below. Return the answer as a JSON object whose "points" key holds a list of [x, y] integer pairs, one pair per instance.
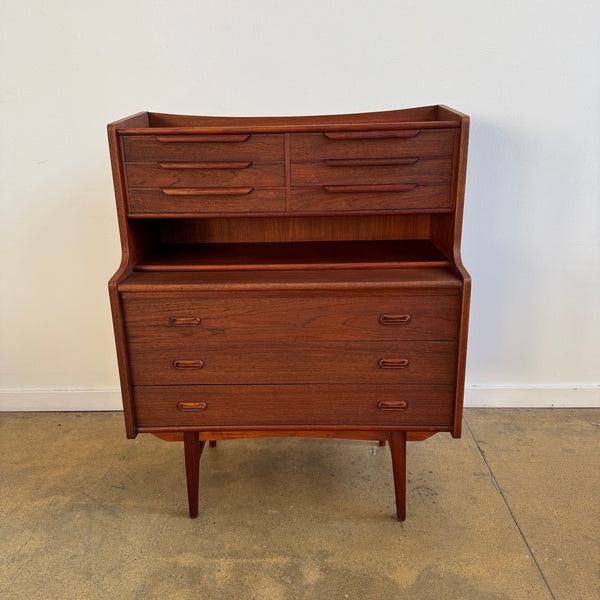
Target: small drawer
{"points": [[269, 405], [424, 317], [255, 147], [372, 144], [293, 362], [203, 176], [371, 198], [412, 170], [227, 200]]}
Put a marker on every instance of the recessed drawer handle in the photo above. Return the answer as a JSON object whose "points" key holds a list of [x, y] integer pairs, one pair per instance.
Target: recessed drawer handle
{"points": [[352, 189], [370, 162], [211, 164], [393, 363], [392, 405], [184, 321], [188, 364], [212, 191], [168, 139], [372, 135], [394, 319], [183, 406]]}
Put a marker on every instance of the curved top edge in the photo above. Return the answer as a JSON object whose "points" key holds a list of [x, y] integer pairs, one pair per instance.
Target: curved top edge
{"points": [[428, 116]]}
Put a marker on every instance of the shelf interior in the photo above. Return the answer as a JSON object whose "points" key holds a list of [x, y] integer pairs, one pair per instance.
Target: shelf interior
{"points": [[355, 254]]}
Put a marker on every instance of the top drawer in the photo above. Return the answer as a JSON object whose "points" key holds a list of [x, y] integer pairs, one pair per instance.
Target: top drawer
{"points": [[372, 144], [154, 148]]}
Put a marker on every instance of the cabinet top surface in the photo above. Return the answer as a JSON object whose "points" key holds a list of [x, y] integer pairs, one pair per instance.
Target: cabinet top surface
{"points": [[152, 123]]}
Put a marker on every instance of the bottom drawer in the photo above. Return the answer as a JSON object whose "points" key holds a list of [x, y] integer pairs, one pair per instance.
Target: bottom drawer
{"points": [[281, 405]]}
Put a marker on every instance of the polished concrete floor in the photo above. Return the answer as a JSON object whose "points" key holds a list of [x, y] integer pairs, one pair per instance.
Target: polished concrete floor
{"points": [[509, 511]]}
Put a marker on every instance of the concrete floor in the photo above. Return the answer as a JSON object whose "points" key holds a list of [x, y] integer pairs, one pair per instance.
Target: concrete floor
{"points": [[509, 511]]}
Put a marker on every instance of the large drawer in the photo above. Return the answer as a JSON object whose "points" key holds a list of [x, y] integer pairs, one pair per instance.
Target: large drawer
{"points": [[171, 200], [256, 147], [348, 172], [372, 144], [193, 318], [292, 362], [202, 175], [267, 405], [370, 198]]}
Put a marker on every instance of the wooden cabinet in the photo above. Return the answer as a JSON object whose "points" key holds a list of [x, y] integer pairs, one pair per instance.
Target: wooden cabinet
{"points": [[291, 276]]}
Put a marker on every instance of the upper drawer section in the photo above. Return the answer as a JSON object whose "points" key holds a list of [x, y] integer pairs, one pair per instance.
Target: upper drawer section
{"points": [[204, 174], [254, 147], [372, 144], [374, 172]]}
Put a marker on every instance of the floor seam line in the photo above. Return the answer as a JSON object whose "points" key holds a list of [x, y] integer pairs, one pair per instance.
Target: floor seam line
{"points": [[510, 512]]}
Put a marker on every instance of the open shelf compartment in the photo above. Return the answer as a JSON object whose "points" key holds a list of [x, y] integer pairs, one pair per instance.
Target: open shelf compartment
{"points": [[356, 254]]}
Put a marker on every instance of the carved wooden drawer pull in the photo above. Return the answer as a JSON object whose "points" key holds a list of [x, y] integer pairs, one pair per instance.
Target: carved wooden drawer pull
{"points": [[188, 364], [184, 321], [183, 406], [373, 135], [210, 164], [208, 191], [169, 139], [376, 188], [393, 363], [369, 162], [392, 405], [394, 319]]}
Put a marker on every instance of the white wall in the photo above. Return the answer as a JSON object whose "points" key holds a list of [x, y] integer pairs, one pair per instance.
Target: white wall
{"points": [[526, 71]]}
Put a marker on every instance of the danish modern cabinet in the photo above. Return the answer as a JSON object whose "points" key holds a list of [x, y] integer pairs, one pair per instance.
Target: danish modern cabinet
{"points": [[291, 276]]}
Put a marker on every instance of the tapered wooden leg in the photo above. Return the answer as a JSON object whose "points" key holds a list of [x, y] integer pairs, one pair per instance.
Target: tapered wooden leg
{"points": [[382, 443], [193, 450], [398, 450], [212, 443]]}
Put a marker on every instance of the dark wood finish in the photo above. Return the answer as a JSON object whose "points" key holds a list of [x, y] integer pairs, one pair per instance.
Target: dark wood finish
{"points": [[200, 318], [149, 148], [213, 362], [277, 406], [372, 144], [150, 175], [398, 452], [291, 276], [421, 171], [192, 450], [294, 255], [352, 198], [174, 201], [407, 281]]}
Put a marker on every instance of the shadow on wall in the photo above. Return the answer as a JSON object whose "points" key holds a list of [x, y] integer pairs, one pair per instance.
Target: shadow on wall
{"points": [[494, 228]]}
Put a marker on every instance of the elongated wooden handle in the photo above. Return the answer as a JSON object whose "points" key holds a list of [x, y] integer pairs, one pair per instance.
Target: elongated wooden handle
{"points": [[392, 405], [370, 162], [208, 191], [188, 364], [168, 139], [210, 164], [393, 363], [378, 188], [184, 321], [372, 135], [394, 319], [183, 406]]}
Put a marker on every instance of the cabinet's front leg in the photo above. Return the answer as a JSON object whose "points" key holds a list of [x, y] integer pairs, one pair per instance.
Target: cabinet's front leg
{"points": [[193, 450], [398, 450]]}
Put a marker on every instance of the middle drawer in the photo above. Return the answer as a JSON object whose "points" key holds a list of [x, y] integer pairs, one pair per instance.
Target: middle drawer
{"points": [[204, 174], [293, 362]]}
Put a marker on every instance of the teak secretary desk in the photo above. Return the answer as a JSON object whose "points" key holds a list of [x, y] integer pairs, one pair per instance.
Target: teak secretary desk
{"points": [[292, 276]]}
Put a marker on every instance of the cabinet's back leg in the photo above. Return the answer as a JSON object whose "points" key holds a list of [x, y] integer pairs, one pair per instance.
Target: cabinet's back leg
{"points": [[398, 450], [193, 450]]}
